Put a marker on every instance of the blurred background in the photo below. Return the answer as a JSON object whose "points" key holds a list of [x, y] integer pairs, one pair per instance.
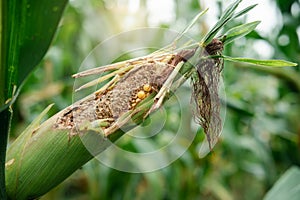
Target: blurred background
{"points": [[261, 133]]}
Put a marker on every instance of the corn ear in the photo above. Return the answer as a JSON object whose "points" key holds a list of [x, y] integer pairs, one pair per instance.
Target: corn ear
{"points": [[42, 157]]}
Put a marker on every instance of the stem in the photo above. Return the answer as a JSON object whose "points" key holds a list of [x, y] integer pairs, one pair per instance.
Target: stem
{"points": [[5, 118], [5, 93]]}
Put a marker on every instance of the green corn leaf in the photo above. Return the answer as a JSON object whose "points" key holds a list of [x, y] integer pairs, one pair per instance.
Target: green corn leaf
{"points": [[244, 11], [27, 28], [287, 187], [266, 63], [228, 12], [227, 16], [239, 31], [27, 31]]}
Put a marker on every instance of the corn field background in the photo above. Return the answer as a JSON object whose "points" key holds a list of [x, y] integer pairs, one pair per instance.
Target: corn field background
{"points": [[261, 134]]}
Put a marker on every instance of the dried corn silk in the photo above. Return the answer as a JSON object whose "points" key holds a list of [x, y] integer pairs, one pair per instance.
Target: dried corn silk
{"points": [[206, 91]]}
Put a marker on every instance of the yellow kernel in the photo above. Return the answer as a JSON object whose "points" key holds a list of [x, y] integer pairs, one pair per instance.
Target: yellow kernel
{"points": [[133, 105], [141, 95], [147, 88]]}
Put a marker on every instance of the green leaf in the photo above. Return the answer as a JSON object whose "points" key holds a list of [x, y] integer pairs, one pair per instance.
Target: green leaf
{"points": [[239, 31], [27, 31], [27, 28], [244, 11], [267, 63], [226, 16], [287, 187]]}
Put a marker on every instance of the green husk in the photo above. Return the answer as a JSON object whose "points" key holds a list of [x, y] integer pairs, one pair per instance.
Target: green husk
{"points": [[42, 157]]}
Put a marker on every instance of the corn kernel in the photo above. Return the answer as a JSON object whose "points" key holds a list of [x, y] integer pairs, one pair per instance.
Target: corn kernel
{"points": [[141, 95], [133, 105], [147, 88]]}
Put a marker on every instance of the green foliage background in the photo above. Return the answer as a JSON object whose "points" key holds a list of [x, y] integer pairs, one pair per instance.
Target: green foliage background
{"points": [[261, 135]]}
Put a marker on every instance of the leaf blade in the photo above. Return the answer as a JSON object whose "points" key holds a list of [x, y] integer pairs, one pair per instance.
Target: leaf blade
{"points": [[287, 187], [28, 29], [265, 63], [226, 16], [239, 31], [244, 11]]}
